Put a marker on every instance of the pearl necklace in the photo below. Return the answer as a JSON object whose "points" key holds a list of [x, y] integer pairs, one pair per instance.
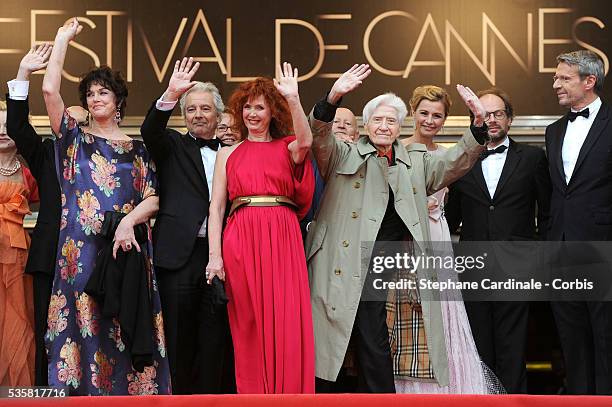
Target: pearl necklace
{"points": [[7, 172]]}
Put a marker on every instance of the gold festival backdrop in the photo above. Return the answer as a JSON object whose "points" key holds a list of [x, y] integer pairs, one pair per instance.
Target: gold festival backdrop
{"points": [[511, 44]]}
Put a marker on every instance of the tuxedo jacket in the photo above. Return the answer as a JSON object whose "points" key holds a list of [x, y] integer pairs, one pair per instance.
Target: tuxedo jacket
{"points": [[582, 208], [522, 194], [40, 156], [183, 190]]}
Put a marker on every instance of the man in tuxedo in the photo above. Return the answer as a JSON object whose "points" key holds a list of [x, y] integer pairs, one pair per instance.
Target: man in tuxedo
{"points": [[40, 156], [579, 147], [498, 201], [197, 330]]}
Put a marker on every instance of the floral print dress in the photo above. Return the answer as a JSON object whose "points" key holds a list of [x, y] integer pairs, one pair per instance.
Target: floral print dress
{"points": [[86, 353]]}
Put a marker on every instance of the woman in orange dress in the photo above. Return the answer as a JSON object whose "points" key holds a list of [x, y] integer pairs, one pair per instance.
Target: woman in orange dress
{"points": [[17, 187]]}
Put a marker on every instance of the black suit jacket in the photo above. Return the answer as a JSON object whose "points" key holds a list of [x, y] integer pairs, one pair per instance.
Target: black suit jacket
{"points": [[582, 209], [523, 189], [40, 156], [183, 190]]}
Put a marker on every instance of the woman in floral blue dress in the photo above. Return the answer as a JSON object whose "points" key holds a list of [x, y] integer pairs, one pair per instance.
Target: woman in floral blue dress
{"points": [[100, 169]]}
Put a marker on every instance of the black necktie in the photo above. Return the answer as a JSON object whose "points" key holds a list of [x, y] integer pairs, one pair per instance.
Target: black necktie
{"points": [[497, 150], [213, 143], [572, 115]]}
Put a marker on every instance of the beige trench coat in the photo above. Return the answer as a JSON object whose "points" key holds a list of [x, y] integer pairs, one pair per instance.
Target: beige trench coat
{"points": [[350, 213]]}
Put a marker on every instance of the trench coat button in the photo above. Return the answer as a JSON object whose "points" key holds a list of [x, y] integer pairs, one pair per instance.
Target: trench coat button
{"points": [[333, 308], [491, 208], [354, 215], [357, 185], [337, 272], [345, 243]]}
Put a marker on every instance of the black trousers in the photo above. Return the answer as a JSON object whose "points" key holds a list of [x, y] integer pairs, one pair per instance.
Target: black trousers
{"points": [[500, 333], [585, 332], [375, 367], [42, 285], [198, 339]]}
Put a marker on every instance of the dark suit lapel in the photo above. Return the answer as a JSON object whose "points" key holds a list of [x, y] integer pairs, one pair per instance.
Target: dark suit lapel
{"points": [[193, 153], [479, 178], [512, 159], [557, 146], [599, 124]]}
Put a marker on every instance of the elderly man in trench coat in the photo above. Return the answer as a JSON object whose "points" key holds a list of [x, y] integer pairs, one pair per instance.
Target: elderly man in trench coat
{"points": [[375, 190]]}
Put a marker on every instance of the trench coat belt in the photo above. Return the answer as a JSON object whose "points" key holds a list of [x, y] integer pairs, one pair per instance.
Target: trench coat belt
{"points": [[261, 200]]}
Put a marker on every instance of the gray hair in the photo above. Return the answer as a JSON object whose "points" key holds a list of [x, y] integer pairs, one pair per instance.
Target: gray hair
{"points": [[205, 87], [588, 63], [387, 99]]}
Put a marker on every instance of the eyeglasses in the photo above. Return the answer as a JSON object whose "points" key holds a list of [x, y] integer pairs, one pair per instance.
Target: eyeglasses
{"points": [[498, 114], [223, 128]]}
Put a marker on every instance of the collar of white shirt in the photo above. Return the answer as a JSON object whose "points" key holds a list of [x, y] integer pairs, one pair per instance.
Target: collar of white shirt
{"points": [[593, 109], [506, 143]]}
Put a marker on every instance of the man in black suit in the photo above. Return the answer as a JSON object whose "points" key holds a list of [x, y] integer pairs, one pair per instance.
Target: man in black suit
{"points": [[579, 147], [498, 201], [40, 156], [197, 331]]}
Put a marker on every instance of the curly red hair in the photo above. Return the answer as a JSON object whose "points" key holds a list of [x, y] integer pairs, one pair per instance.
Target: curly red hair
{"points": [[280, 123]]}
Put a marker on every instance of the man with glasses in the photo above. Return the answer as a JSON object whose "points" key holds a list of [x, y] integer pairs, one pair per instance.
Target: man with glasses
{"points": [[225, 130], [498, 201]]}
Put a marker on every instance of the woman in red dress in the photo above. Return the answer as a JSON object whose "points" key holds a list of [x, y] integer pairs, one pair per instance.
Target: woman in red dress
{"points": [[270, 184]]}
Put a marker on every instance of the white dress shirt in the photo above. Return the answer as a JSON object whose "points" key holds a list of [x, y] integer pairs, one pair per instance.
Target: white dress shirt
{"points": [[574, 137], [209, 156], [492, 167]]}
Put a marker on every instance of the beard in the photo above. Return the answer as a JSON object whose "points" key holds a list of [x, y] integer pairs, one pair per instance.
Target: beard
{"points": [[501, 135]]}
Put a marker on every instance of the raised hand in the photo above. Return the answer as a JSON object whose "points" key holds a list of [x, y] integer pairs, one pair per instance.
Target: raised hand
{"points": [[473, 103], [69, 30], [348, 81], [180, 81], [36, 59], [287, 83]]}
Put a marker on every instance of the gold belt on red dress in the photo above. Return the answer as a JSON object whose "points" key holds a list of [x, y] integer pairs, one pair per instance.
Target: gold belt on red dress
{"points": [[261, 200]]}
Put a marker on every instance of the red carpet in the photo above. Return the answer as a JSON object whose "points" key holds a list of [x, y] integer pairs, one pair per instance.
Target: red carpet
{"points": [[323, 400]]}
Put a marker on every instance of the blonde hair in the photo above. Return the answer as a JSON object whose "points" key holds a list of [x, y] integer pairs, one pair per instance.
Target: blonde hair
{"points": [[2, 105], [433, 94]]}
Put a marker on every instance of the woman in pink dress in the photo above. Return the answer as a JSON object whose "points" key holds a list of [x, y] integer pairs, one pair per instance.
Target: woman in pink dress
{"points": [[270, 184], [430, 106]]}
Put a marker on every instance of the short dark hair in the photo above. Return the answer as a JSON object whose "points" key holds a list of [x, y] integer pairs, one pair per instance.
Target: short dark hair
{"points": [[104, 76], [500, 94]]}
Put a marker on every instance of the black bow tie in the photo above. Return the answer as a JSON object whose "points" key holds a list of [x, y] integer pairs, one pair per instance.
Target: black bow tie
{"points": [[213, 143], [497, 150], [572, 115]]}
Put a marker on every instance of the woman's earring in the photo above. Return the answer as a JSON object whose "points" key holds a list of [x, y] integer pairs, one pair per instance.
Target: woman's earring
{"points": [[118, 114]]}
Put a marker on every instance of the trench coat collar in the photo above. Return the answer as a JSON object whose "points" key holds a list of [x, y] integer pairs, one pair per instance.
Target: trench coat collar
{"points": [[365, 148]]}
